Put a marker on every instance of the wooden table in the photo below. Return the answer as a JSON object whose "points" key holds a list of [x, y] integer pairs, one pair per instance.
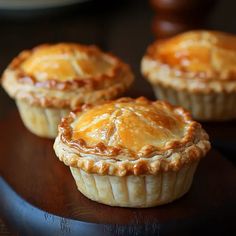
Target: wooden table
{"points": [[124, 29]]}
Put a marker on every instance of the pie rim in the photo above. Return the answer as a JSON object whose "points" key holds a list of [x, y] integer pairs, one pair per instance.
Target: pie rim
{"points": [[100, 158]]}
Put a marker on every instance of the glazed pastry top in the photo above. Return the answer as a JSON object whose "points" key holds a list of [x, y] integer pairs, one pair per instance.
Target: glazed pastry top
{"points": [[136, 127], [66, 62], [66, 75], [206, 54], [131, 125]]}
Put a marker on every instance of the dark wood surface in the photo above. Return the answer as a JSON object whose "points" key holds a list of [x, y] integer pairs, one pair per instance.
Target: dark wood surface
{"points": [[28, 164], [29, 167]]}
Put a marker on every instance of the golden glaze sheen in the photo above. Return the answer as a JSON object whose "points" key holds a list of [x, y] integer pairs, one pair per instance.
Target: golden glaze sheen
{"points": [[195, 70], [65, 62], [121, 123], [131, 152], [130, 136], [204, 54], [65, 75]]}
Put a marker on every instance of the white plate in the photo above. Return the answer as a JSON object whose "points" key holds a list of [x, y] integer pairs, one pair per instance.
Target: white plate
{"points": [[35, 4]]}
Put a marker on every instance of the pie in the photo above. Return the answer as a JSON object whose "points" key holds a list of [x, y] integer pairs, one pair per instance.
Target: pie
{"points": [[131, 152], [50, 80], [196, 70]]}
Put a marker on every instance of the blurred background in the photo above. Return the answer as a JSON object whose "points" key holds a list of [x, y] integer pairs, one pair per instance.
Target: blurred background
{"points": [[123, 27]]}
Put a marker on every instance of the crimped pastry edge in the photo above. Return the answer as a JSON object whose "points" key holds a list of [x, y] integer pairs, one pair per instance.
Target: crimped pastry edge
{"points": [[170, 160], [77, 82], [100, 159], [67, 94], [158, 73], [62, 99]]}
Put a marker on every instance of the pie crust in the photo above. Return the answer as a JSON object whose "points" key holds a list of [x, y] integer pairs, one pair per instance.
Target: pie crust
{"points": [[65, 75], [54, 79], [133, 140], [200, 64]]}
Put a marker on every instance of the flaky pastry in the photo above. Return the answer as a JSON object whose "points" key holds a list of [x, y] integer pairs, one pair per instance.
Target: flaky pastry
{"points": [[62, 76], [130, 139], [200, 65], [65, 75]]}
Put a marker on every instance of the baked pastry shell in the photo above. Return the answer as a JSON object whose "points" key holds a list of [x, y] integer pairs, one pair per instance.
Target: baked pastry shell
{"points": [[115, 160], [154, 178], [41, 121], [69, 93], [206, 99], [130, 190], [42, 104], [135, 191], [203, 107]]}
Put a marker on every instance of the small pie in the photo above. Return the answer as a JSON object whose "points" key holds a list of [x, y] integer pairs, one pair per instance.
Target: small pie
{"points": [[196, 70], [131, 152], [50, 80]]}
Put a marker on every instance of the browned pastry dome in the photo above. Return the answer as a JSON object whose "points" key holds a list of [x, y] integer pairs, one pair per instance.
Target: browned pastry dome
{"points": [[130, 136], [197, 60], [66, 74], [195, 70], [50, 80]]}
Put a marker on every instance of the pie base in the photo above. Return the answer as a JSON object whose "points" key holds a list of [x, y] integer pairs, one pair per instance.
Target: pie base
{"points": [[203, 107], [135, 191], [40, 120]]}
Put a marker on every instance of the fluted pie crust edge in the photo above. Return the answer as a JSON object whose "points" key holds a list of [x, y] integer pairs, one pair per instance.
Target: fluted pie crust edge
{"points": [[159, 73], [100, 158], [66, 94]]}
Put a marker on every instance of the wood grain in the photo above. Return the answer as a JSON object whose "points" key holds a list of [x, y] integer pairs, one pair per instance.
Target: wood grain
{"points": [[3, 229]]}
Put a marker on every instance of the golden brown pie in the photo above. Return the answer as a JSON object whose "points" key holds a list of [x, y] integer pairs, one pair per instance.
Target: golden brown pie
{"points": [[50, 80], [196, 70], [131, 152]]}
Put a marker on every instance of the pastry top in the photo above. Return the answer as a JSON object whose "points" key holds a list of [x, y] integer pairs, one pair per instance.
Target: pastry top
{"points": [[130, 136], [197, 60], [203, 53], [65, 67], [65, 62]]}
